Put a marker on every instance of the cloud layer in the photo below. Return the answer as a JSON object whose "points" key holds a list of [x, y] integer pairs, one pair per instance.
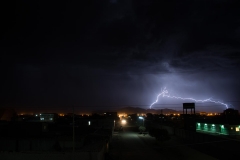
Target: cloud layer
{"points": [[120, 52]]}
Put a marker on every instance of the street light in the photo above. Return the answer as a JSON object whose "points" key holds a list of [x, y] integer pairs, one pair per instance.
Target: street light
{"points": [[142, 119], [124, 121]]}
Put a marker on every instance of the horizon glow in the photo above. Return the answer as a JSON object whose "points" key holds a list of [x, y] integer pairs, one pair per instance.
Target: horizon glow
{"points": [[164, 93]]}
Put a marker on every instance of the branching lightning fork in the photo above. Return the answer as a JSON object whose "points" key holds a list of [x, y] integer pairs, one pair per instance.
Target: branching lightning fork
{"points": [[164, 93]]}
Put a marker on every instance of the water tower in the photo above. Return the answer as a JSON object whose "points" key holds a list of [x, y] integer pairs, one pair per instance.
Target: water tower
{"points": [[189, 117]]}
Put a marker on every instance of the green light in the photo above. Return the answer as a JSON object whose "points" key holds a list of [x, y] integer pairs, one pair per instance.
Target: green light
{"points": [[199, 124], [205, 124], [222, 126], [213, 125]]}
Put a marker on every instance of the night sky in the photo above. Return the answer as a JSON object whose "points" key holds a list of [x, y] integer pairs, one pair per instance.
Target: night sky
{"points": [[95, 53]]}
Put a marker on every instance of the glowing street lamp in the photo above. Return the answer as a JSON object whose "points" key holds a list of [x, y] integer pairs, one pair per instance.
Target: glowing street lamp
{"points": [[142, 119], [124, 121]]}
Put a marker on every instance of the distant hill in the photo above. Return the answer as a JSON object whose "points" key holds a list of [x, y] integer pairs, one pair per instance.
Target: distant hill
{"points": [[131, 110], [7, 113]]}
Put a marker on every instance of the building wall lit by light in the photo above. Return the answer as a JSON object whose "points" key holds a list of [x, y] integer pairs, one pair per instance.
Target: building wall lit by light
{"points": [[223, 129], [122, 115], [47, 117]]}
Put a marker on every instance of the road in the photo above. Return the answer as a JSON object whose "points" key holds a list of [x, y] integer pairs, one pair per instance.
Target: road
{"points": [[129, 145]]}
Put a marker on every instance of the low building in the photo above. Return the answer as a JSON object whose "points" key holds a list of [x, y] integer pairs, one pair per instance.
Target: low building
{"points": [[228, 123], [224, 129], [111, 114], [48, 117]]}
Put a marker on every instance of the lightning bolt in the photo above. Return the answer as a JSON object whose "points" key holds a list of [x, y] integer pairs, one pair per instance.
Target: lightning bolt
{"points": [[164, 93]]}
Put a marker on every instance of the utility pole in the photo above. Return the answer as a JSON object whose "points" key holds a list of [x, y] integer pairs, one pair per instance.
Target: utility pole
{"points": [[161, 119], [73, 133]]}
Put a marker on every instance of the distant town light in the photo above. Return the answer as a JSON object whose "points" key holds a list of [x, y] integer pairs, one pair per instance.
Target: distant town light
{"points": [[89, 123], [140, 117], [213, 125], [36, 115]]}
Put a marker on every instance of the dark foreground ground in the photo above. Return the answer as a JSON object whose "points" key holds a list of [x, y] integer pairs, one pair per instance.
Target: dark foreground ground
{"points": [[129, 144]]}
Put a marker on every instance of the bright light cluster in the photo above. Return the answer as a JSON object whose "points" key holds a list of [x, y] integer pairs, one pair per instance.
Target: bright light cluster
{"points": [[164, 93], [124, 121]]}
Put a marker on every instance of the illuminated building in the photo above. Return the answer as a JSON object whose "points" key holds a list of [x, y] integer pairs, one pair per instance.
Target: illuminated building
{"points": [[48, 117], [224, 129], [226, 124]]}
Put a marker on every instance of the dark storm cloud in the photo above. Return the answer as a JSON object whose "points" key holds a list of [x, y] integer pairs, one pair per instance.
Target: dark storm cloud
{"points": [[149, 33], [120, 52]]}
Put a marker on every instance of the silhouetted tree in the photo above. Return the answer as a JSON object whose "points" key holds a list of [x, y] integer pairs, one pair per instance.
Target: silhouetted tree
{"points": [[159, 134]]}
